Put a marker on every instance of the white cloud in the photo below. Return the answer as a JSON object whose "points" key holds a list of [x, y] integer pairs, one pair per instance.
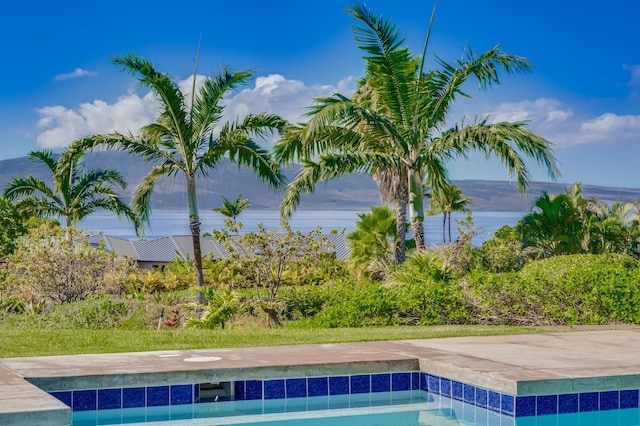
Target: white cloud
{"points": [[63, 125], [274, 94], [77, 73], [557, 123]]}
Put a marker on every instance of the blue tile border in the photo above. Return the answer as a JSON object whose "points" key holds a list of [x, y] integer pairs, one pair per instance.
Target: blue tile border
{"points": [[301, 387]]}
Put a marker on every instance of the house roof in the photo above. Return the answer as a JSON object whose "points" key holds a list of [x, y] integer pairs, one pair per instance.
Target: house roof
{"points": [[166, 249]]}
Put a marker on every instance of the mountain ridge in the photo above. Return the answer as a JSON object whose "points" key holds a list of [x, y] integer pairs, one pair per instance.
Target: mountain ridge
{"points": [[352, 192]]}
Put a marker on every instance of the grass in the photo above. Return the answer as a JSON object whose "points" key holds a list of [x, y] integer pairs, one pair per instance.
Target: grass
{"points": [[24, 342]]}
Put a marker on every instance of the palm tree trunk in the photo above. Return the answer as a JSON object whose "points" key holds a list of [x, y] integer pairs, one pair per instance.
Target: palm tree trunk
{"points": [[444, 226], [194, 225], [416, 208], [449, 214], [401, 230]]}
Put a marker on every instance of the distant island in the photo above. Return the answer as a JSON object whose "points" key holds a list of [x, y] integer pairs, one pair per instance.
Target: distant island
{"points": [[353, 192]]}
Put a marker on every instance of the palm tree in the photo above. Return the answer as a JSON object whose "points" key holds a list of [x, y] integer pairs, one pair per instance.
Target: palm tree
{"points": [[403, 130], [75, 193], [184, 140], [445, 201], [371, 244], [232, 209]]}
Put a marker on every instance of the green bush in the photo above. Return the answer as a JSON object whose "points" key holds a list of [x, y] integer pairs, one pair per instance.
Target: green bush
{"points": [[99, 313], [426, 292], [502, 253], [572, 289], [359, 304]]}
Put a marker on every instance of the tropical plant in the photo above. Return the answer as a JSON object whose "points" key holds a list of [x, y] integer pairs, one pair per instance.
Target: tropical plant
{"points": [[445, 201], [75, 193], [12, 226], [403, 130], [231, 210], [569, 223], [185, 141], [371, 245], [219, 308]]}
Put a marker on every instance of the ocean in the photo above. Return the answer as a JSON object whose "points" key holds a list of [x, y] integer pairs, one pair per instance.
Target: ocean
{"points": [[175, 222]]}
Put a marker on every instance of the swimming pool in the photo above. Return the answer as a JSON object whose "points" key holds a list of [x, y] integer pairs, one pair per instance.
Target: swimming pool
{"points": [[559, 378], [402, 408]]}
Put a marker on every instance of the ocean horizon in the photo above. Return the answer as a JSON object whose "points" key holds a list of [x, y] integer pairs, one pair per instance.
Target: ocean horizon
{"points": [[175, 222]]}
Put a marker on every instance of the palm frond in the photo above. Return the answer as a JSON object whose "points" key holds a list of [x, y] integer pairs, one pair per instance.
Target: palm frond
{"points": [[141, 199], [172, 98]]}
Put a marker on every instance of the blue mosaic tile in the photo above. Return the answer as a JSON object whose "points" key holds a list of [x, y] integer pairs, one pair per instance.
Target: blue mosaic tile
{"points": [[274, 389], [568, 403], [494, 401], [424, 382], [609, 400], [445, 387], [64, 397], [381, 382], [456, 390], [629, 398], [400, 381], [415, 381], [181, 394], [506, 405], [238, 389], [468, 394], [253, 389], [196, 392], [84, 400], [588, 401], [482, 397], [434, 384], [525, 406], [157, 396], [547, 404], [318, 386], [296, 388], [133, 397], [338, 385], [109, 399], [361, 383]]}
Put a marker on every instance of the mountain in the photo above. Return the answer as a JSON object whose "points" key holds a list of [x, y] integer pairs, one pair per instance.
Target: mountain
{"points": [[353, 192]]}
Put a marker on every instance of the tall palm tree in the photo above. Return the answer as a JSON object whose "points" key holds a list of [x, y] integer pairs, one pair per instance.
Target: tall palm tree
{"points": [[404, 129], [184, 139], [445, 201], [75, 193]]}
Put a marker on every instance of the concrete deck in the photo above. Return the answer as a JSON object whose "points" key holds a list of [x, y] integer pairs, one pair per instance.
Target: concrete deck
{"points": [[520, 365]]}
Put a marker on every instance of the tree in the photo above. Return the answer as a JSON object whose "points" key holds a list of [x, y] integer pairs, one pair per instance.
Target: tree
{"points": [[231, 210], [371, 244], [269, 259], [61, 265], [445, 201], [75, 193], [404, 127], [12, 226], [184, 141]]}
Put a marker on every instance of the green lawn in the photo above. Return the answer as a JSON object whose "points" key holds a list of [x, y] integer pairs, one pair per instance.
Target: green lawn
{"points": [[35, 342]]}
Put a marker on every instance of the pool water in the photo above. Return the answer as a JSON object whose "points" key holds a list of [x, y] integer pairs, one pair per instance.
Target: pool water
{"points": [[400, 408]]}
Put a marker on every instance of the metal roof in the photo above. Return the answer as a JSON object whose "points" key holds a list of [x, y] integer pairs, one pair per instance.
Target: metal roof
{"points": [[166, 249]]}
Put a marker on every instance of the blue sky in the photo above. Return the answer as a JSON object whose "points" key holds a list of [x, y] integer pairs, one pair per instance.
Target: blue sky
{"points": [[583, 94]]}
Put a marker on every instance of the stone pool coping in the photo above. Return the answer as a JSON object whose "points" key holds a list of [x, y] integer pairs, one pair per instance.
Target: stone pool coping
{"points": [[519, 365]]}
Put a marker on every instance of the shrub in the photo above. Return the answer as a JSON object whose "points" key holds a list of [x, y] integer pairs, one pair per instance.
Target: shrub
{"points": [[62, 266], [572, 289], [359, 304], [426, 293], [502, 253]]}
